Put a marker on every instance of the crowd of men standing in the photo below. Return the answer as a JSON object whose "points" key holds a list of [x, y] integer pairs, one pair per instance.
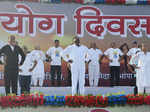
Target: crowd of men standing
{"points": [[29, 66]]}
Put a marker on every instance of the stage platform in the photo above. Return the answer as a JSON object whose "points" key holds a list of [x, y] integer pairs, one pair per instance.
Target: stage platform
{"points": [[88, 90]]}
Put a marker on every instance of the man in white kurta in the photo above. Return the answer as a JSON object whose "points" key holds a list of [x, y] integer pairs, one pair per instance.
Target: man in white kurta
{"points": [[94, 55], [143, 72], [76, 55], [132, 52], [38, 72], [25, 72]]}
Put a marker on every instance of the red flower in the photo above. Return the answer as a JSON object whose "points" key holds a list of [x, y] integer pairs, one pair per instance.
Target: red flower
{"points": [[101, 101], [90, 101], [147, 100]]}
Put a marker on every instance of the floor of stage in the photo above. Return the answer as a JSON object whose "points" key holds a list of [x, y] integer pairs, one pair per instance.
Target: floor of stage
{"points": [[88, 90], [140, 108]]}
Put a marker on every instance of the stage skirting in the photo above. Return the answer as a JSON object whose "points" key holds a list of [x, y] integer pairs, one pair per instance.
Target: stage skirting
{"points": [[125, 80]]}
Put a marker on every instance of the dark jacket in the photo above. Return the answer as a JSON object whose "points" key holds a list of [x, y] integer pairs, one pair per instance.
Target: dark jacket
{"points": [[12, 57]]}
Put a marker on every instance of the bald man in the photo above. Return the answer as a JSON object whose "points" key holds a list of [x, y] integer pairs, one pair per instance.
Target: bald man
{"points": [[141, 63], [11, 68], [76, 55]]}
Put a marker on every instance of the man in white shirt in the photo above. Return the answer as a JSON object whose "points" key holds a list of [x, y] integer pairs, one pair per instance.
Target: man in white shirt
{"points": [[114, 55], [25, 71], [134, 49], [55, 61], [76, 55], [38, 72], [94, 55], [132, 53], [143, 71]]}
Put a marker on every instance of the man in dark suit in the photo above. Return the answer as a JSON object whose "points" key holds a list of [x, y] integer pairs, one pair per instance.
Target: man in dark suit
{"points": [[11, 67]]}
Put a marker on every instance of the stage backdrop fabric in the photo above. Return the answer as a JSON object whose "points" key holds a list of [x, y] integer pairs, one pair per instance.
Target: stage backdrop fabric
{"points": [[42, 23]]}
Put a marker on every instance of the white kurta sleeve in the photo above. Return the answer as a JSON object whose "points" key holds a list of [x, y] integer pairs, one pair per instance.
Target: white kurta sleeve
{"points": [[61, 51], [100, 52], [43, 57], [137, 59], [88, 56], [107, 52], [120, 52], [140, 62], [66, 52], [132, 60], [129, 53], [49, 52], [33, 57], [87, 51]]}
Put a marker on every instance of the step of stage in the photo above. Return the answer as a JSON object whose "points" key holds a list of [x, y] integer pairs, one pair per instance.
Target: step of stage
{"points": [[88, 90]]}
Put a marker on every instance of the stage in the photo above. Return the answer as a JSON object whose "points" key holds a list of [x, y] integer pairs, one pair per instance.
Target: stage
{"points": [[88, 90], [143, 108]]}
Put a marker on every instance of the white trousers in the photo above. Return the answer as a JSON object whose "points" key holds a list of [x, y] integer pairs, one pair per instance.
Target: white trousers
{"points": [[78, 78], [35, 80], [141, 90], [93, 75]]}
